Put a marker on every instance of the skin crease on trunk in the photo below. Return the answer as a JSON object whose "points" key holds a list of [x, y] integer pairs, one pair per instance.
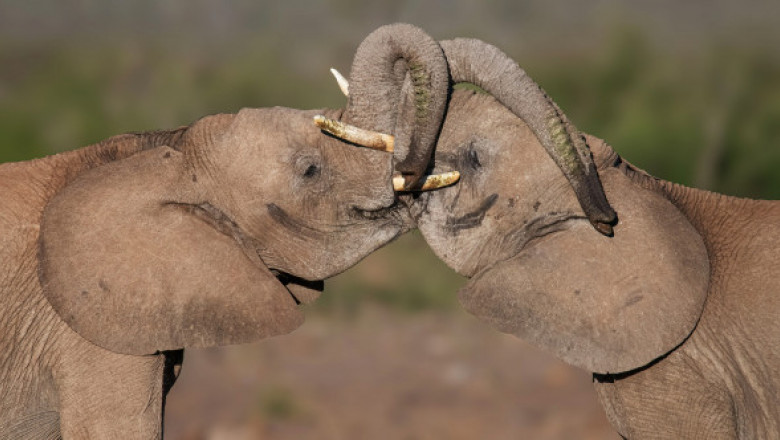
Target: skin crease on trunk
{"points": [[718, 381]]}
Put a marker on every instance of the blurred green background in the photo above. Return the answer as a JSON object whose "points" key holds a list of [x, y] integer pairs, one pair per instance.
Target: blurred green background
{"points": [[689, 91]]}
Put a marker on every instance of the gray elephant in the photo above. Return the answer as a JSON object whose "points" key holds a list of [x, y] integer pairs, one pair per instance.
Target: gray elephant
{"points": [[672, 302], [116, 256]]}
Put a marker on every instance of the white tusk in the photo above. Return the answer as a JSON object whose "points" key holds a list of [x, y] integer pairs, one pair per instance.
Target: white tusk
{"points": [[434, 181], [398, 183], [343, 83], [358, 136]]}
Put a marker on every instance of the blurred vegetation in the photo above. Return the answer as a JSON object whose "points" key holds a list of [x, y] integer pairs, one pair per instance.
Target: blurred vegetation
{"points": [[405, 275], [278, 403], [708, 118]]}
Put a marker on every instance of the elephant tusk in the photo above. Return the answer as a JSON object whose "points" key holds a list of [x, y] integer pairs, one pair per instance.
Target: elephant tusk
{"points": [[434, 181], [358, 136], [343, 83]]}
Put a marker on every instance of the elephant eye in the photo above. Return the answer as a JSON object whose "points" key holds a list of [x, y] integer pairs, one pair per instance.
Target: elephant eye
{"points": [[309, 168], [472, 158], [311, 171]]}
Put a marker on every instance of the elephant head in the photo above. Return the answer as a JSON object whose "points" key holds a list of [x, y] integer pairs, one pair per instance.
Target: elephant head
{"points": [[214, 236], [531, 224]]}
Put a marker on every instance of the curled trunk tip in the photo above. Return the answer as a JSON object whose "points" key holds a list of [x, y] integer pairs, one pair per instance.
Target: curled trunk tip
{"points": [[377, 102]]}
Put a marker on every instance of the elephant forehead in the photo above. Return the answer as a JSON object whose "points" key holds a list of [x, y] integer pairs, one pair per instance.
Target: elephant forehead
{"points": [[267, 134], [480, 128], [469, 112]]}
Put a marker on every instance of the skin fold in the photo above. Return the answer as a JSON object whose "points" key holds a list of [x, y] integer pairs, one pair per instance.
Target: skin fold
{"points": [[116, 256], [675, 312]]}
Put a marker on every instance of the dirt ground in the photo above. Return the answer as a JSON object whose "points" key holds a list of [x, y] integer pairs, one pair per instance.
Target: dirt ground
{"points": [[383, 375]]}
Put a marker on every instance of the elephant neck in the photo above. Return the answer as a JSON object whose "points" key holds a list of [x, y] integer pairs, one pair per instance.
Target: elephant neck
{"points": [[718, 218]]}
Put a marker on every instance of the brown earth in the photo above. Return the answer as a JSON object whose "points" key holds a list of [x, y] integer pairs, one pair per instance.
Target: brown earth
{"points": [[383, 375]]}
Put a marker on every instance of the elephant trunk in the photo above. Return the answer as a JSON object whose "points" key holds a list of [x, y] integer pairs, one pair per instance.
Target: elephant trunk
{"points": [[484, 65], [379, 101]]}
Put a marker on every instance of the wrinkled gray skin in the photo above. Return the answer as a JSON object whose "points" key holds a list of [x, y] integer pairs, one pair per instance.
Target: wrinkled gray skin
{"points": [[116, 256], [676, 313]]}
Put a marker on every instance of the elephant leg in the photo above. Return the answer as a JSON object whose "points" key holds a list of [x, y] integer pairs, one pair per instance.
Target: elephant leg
{"points": [[109, 395]]}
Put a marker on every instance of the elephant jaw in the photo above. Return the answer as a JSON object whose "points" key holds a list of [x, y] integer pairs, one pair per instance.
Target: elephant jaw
{"points": [[358, 233], [301, 291], [473, 239]]}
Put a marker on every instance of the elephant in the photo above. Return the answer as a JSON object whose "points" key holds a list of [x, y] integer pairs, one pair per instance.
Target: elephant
{"points": [[665, 293], [117, 256]]}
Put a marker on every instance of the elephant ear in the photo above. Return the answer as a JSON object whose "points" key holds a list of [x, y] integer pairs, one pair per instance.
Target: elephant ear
{"points": [[134, 272], [604, 304]]}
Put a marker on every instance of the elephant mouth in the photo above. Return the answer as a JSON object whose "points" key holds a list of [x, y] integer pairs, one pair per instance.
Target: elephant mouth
{"points": [[388, 213], [389, 216]]}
